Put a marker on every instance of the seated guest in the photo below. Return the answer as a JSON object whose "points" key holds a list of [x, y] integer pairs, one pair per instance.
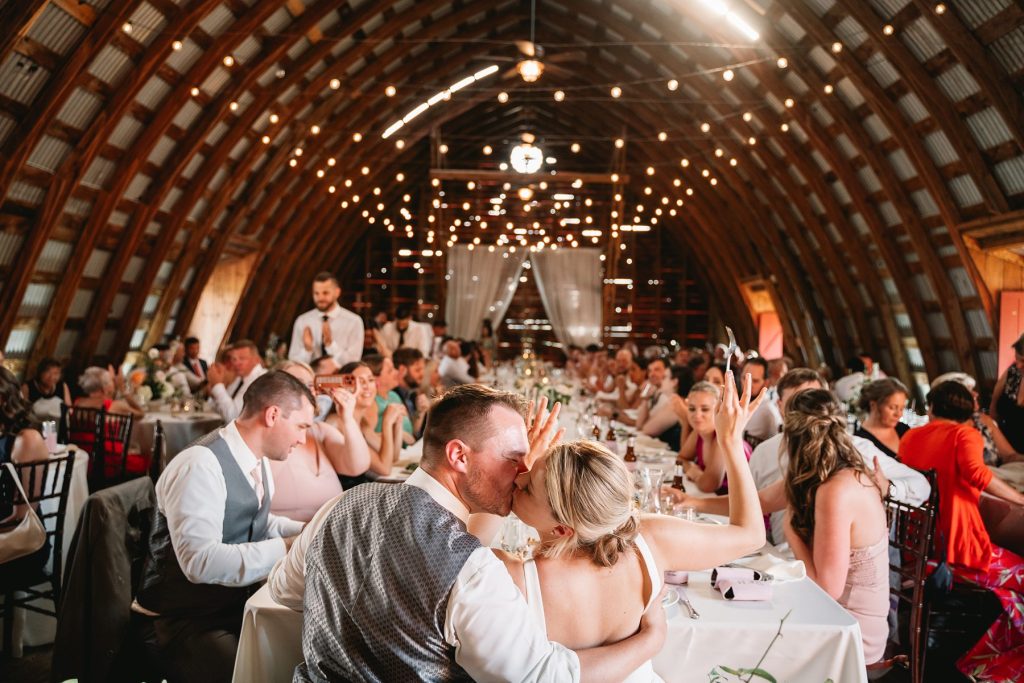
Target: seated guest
{"points": [[836, 520], [214, 538], [101, 388], [177, 372], [666, 419], [630, 387], [715, 374], [883, 400], [195, 366], [309, 476], [998, 450], [385, 375], [701, 455], [322, 366], [404, 332], [579, 497], [411, 368], [454, 368], [384, 445], [1007, 407], [47, 391], [953, 448], [20, 440], [244, 359], [847, 386], [398, 589], [769, 461], [767, 422]]}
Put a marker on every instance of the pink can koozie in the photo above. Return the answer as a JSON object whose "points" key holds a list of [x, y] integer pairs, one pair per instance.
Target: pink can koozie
{"points": [[746, 590], [677, 577], [720, 574]]}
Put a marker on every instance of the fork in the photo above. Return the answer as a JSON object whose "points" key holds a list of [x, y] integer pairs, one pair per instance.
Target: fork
{"points": [[732, 348], [686, 602]]}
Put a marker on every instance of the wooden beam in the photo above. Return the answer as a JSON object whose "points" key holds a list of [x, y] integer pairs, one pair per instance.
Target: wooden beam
{"points": [[499, 177]]}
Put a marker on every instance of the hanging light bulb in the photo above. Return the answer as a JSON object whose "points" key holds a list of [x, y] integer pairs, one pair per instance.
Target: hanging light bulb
{"points": [[530, 70]]}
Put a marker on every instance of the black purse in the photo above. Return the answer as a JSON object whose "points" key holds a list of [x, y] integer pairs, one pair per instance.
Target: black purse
{"points": [[940, 582]]}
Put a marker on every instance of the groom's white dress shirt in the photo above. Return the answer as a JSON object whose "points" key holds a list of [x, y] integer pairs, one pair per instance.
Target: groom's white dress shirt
{"points": [[346, 336]]}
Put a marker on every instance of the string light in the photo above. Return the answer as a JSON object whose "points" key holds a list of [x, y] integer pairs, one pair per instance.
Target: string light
{"points": [[400, 144], [747, 116], [265, 139], [127, 27], [782, 62], [335, 84], [229, 61], [177, 45], [673, 85], [575, 148], [390, 91], [837, 47], [619, 142], [705, 127], [298, 151], [315, 130], [559, 96], [194, 91], [828, 89], [274, 118], [940, 8], [784, 128], [357, 137], [888, 29], [684, 163], [751, 140], [789, 103], [728, 75], [503, 97], [233, 106], [616, 92], [662, 136]]}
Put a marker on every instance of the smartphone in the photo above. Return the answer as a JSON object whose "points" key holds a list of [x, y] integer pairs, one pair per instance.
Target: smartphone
{"points": [[323, 384]]}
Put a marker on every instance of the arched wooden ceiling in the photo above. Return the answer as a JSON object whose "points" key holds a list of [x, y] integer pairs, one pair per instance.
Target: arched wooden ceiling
{"points": [[133, 161]]}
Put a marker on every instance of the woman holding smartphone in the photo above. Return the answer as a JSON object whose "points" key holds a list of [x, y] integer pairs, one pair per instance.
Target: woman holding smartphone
{"points": [[383, 445]]}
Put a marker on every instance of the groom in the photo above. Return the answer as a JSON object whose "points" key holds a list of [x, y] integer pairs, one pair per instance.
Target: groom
{"points": [[397, 589]]}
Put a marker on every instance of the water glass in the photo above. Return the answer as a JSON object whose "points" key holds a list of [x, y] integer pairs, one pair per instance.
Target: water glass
{"points": [[687, 512]]}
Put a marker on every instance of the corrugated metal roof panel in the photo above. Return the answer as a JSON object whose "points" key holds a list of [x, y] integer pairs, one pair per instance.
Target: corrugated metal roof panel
{"points": [[7, 125], [188, 113], [883, 70], [923, 287], [153, 229], [217, 133], [48, 154], [215, 82], [965, 191], [147, 22], [788, 27], [1009, 51], [137, 186], [869, 179], [850, 32], [80, 303], [957, 83], [1010, 174], [962, 283], [110, 65], [21, 79], [118, 305], [901, 164], [247, 50], [912, 108], [153, 93], [939, 148], [36, 300], [288, 95], [977, 12], [240, 148], [859, 223], [182, 60], [97, 263], [171, 198], [57, 30], [889, 8], [795, 83], [131, 272], [193, 165], [66, 347], [218, 179], [26, 194], [118, 218], [80, 109], [849, 93], [196, 213], [79, 208], [921, 39], [151, 301], [217, 21], [876, 129], [100, 170], [277, 21], [925, 204], [889, 214], [161, 150], [125, 132], [20, 342], [106, 341], [841, 194], [988, 128], [10, 243]]}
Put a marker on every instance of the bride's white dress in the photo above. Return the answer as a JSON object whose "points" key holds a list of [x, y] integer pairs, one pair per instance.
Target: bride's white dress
{"points": [[644, 674]]}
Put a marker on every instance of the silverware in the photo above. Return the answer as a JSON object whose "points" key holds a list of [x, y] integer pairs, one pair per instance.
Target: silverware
{"points": [[732, 348], [686, 603]]}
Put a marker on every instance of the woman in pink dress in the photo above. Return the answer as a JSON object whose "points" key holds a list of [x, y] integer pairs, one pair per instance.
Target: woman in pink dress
{"points": [[308, 478], [701, 455], [836, 519]]}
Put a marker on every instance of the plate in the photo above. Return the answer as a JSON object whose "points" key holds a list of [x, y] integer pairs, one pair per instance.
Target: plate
{"points": [[670, 598]]}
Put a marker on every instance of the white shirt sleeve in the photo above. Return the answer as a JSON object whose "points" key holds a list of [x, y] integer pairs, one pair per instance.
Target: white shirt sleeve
{"points": [[223, 403], [347, 345], [191, 494], [661, 417], [297, 350], [287, 580], [908, 485], [765, 421], [494, 634]]}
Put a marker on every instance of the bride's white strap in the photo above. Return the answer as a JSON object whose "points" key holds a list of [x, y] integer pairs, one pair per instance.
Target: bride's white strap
{"points": [[651, 568], [533, 595]]}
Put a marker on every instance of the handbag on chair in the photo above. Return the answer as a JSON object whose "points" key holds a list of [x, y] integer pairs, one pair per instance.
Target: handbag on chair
{"points": [[28, 535]]}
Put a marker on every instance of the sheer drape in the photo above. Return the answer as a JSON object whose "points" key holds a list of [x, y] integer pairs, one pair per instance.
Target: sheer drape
{"points": [[569, 281], [481, 285]]}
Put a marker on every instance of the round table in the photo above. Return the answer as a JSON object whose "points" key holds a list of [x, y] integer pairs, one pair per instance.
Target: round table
{"points": [[180, 429]]}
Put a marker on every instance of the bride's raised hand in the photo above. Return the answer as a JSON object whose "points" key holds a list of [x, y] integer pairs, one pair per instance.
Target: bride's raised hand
{"points": [[542, 429], [734, 412]]}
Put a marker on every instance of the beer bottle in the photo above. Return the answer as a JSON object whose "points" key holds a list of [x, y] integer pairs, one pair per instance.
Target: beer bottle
{"points": [[677, 479], [630, 457]]}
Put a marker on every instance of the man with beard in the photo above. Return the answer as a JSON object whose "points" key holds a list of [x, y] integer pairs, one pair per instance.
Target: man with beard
{"points": [[397, 589], [411, 366], [327, 329]]}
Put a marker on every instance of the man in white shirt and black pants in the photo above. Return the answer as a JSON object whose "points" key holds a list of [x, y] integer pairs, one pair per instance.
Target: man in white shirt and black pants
{"points": [[327, 330], [397, 589], [213, 536]]}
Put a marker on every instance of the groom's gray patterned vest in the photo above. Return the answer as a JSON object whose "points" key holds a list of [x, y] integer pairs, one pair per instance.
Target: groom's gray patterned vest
{"points": [[378, 577], [165, 589]]}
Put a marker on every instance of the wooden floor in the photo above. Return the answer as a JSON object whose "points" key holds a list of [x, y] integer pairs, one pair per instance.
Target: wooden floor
{"points": [[32, 667]]}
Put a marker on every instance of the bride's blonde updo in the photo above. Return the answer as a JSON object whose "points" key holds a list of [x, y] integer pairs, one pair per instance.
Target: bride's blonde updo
{"points": [[591, 491]]}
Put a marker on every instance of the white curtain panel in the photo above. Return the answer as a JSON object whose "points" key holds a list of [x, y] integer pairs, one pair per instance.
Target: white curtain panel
{"points": [[569, 281], [481, 285]]}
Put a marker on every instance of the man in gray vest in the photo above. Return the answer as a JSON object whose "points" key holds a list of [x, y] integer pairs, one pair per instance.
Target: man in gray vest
{"points": [[213, 536], [398, 590]]}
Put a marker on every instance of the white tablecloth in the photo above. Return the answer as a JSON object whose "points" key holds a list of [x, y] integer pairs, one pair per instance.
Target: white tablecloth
{"points": [[31, 628], [180, 429], [820, 641]]}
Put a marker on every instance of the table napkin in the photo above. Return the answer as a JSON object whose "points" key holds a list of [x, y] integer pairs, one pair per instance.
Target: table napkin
{"points": [[780, 569]]}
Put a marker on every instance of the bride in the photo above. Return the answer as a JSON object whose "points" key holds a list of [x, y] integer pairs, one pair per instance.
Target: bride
{"points": [[578, 496]]}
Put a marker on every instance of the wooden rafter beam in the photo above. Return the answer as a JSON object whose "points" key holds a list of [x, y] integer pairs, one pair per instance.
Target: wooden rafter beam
{"points": [[498, 177]]}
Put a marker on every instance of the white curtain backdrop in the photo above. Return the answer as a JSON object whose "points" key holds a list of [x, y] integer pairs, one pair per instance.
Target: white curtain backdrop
{"points": [[569, 281], [481, 285]]}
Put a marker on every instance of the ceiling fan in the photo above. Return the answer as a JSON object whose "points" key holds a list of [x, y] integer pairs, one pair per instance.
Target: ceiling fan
{"points": [[531, 62]]}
